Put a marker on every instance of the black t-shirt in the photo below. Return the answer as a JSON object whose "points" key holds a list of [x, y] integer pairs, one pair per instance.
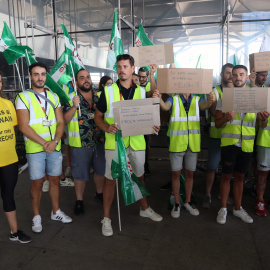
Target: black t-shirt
{"points": [[126, 93]]}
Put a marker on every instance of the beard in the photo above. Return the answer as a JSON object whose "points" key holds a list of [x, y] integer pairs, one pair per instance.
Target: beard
{"points": [[85, 89], [38, 85]]}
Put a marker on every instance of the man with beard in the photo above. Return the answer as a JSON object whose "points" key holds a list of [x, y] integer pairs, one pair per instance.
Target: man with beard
{"points": [[41, 121], [214, 149], [261, 78], [86, 140], [237, 143], [122, 89]]}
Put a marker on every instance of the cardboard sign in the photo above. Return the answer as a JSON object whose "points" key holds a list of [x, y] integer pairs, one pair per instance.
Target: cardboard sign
{"points": [[246, 100], [137, 116], [184, 80], [155, 54], [259, 61]]}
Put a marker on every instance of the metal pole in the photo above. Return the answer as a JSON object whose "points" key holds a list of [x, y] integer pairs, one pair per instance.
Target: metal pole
{"points": [[228, 31], [26, 30], [20, 38], [118, 206], [119, 17], [132, 21], [32, 21], [54, 29]]}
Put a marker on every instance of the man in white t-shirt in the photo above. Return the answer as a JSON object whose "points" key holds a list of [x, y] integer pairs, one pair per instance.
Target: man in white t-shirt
{"points": [[41, 121]]}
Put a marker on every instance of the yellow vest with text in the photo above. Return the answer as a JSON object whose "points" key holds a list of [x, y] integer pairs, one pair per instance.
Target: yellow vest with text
{"points": [[184, 130], [236, 129], [263, 136], [216, 132], [36, 117], [112, 94]]}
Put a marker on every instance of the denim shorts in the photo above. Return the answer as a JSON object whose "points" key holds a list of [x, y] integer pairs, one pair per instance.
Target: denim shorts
{"points": [[82, 159], [263, 158], [39, 162], [214, 154]]}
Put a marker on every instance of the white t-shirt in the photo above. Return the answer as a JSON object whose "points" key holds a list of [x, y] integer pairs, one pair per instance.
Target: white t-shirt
{"points": [[20, 105]]}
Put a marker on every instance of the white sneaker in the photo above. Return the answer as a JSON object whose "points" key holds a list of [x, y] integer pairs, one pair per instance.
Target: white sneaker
{"points": [[221, 217], [68, 172], [191, 209], [107, 227], [46, 186], [175, 213], [243, 215], [36, 224], [61, 216], [150, 213], [66, 183]]}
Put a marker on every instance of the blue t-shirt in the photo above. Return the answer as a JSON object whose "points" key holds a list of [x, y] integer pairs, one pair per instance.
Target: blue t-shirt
{"points": [[186, 102]]}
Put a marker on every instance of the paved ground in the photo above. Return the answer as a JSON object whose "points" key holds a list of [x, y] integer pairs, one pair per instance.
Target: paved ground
{"points": [[185, 243]]}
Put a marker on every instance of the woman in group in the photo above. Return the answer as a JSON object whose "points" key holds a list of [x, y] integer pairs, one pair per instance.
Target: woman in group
{"points": [[104, 81], [9, 165]]}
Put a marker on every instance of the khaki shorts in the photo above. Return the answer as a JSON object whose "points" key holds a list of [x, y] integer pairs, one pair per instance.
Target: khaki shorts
{"points": [[136, 158], [188, 157]]}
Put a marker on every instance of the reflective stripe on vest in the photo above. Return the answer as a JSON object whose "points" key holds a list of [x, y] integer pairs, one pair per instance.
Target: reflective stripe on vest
{"points": [[74, 138], [263, 137], [184, 130], [112, 94], [215, 132], [36, 117], [236, 129]]}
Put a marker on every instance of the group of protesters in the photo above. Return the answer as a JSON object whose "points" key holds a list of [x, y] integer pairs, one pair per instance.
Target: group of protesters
{"points": [[91, 133]]}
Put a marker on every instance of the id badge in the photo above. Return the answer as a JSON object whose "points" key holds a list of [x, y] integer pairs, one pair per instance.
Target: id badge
{"points": [[90, 115], [47, 123]]}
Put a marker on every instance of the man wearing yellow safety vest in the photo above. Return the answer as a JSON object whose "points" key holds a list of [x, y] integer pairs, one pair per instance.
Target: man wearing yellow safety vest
{"points": [[237, 142], [262, 152], [125, 89], [184, 142], [86, 140], [214, 149], [41, 121]]}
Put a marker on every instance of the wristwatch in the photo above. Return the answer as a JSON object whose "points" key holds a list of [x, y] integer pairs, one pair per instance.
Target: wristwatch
{"points": [[56, 141]]}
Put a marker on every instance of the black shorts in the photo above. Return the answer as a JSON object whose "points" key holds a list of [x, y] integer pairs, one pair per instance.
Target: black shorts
{"points": [[234, 159]]}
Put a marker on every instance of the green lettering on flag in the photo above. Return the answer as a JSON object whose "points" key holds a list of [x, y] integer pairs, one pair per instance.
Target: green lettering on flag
{"points": [[115, 46], [132, 188]]}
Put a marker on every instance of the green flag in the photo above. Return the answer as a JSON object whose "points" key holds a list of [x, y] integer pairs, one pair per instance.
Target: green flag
{"points": [[116, 46], [51, 84], [58, 72], [141, 38], [72, 55], [234, 60], [10, 48], [132, 188]]}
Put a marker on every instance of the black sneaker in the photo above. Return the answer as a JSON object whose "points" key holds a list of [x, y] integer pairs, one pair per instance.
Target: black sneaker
{"points": [[20, 236], [166, 186], [79, 208], [99, 197]]}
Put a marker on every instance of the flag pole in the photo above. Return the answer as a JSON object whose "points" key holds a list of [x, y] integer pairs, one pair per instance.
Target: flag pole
{"points": [[74, 85], [118, 207], [19, 76]]}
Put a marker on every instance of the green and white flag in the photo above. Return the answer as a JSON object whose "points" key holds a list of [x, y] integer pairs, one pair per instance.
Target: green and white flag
{"points": [[58, 72], [10, 48], [116, 46], [132, 188], [71, 55], [141, 38], [51, 84]]}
